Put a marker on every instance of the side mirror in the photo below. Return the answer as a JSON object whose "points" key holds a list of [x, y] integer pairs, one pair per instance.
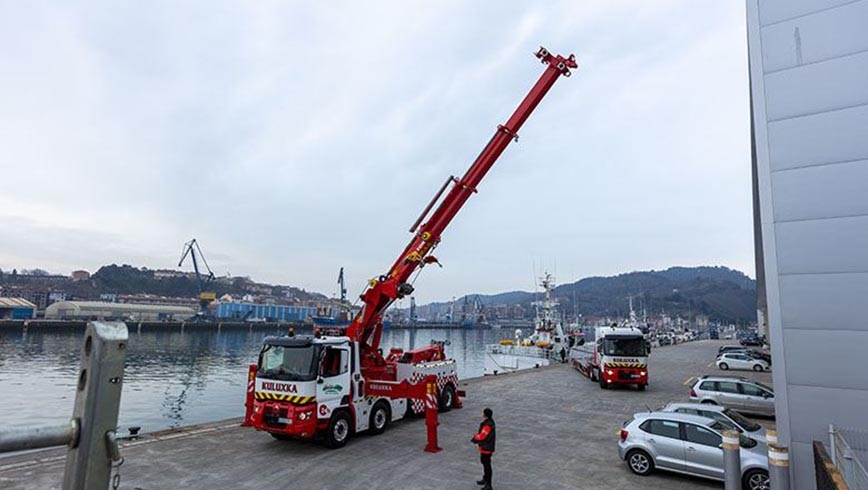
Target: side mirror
{"points": [[319, 380]]}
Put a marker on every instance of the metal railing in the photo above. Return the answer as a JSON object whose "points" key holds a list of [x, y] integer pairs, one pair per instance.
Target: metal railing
{"points": [[90, 433], [849, 448]]}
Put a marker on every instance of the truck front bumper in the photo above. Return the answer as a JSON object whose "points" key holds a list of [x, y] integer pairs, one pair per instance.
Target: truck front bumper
{"points": [[285, 418]]}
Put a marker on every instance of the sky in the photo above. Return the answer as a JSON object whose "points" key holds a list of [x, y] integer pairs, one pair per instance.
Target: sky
{"points": [[295, 138]]}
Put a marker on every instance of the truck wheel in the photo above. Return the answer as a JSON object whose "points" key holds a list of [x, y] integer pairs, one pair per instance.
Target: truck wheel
{"points": [[447, 398], [642, 387], [593, 375], [380, 417], [339, 430], [603, 383]]}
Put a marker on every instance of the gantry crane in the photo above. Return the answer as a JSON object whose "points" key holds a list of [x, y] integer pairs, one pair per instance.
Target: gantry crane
{"points": [[206, 297]]}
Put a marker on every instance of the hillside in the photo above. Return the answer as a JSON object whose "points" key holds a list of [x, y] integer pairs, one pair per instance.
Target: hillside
{"points": [[721, 293]]}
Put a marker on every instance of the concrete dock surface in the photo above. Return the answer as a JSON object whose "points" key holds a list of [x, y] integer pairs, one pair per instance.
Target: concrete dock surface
{"points": [[555, 430]]}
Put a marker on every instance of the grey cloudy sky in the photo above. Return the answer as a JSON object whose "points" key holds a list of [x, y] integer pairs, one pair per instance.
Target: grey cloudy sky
{"points": [[293, 138]]}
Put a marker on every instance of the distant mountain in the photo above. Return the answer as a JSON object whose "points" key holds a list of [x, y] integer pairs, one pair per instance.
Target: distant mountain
{"points": [[721, 293]]}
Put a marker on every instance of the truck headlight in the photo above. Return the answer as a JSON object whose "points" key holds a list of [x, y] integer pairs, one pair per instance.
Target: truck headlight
{"points": [[610, 372], [642, 373]]}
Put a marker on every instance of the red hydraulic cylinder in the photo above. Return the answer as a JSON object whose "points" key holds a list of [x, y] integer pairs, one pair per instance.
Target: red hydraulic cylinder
{"points": [[248, 403]]}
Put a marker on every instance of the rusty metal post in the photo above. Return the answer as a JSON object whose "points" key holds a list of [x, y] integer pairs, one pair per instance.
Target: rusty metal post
{"points": [[97, 400], [731, 460]]}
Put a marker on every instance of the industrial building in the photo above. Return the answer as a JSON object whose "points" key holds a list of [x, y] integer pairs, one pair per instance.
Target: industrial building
{"points": [[95, 310], [231, 310], [809, 100], [16, 309]]}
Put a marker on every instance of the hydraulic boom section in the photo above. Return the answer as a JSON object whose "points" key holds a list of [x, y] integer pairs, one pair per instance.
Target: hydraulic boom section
{"points": [[367, 326]]}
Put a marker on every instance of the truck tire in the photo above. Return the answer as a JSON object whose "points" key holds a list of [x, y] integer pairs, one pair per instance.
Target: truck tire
{"points": [[339, 430], [447, 398], [593, 375], [603, 383], [381, 415], [642, 387]]}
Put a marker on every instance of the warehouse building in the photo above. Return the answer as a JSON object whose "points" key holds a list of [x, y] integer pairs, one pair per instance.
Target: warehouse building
{"points": [[16, 309], [231, 310], [95, 310]]}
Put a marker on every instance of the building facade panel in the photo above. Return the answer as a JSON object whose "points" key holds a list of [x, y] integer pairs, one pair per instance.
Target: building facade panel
{"points": [[826, 191], [774, 11], [813, 408], [845, 77], [843, 354], [834, 245], [818, 139], [828, 34], [824, 301]]}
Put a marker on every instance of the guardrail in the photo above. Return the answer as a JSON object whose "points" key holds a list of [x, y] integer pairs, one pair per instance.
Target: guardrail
{"points": [[90, 433], [849, 448]]}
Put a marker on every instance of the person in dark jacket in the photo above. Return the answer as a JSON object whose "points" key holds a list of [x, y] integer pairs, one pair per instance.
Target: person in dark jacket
{"points": [[484, 439]]}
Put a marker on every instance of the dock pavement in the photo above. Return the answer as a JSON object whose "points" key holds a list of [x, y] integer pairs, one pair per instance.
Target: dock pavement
{"points": [[555, 430]]}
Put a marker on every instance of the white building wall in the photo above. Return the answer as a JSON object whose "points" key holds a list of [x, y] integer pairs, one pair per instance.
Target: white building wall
{"points": [[809, 83]]}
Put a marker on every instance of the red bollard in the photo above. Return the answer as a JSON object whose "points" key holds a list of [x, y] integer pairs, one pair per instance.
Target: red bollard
{"points": [[431, 418], [248, 404]]}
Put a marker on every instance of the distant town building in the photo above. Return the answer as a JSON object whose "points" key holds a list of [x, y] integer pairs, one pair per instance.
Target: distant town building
{"points": [[95, 310], [16, 309], [80, 275]]}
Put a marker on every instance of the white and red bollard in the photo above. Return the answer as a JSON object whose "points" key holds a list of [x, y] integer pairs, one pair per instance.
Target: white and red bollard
{"points": [[431, 408], [248, 404]]}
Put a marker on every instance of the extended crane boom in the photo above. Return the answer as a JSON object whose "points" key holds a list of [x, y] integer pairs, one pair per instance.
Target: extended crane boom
{"points": [[367, 326]]}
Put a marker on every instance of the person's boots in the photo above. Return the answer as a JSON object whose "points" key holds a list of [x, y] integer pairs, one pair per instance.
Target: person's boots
{"points": [[481, 482], [487, 486]]}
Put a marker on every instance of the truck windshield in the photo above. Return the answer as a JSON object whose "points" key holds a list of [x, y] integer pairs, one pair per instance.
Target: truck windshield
{"points": [[624, 346], [288, 363]]}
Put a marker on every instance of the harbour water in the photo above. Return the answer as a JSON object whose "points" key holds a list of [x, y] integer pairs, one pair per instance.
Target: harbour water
{"points": [[173, 378]]}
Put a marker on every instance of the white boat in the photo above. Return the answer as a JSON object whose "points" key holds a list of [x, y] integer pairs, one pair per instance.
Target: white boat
{"points": [[548, 344]]}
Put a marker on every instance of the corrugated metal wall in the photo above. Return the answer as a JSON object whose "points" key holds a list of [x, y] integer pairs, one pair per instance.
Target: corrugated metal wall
{"points": [[282, 313]]}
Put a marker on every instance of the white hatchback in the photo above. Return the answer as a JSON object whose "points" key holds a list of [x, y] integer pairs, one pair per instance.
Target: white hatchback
{"points": [[738, 360]]}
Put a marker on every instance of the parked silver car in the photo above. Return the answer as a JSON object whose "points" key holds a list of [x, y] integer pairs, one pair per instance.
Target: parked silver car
{"points": [[741, 360], [741, 394], [730, 418], [688, 444]]}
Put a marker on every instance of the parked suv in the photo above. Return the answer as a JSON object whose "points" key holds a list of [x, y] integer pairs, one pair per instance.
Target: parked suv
{"points": [[741, 360], [740, 394], [688, 444], [730, 418]]}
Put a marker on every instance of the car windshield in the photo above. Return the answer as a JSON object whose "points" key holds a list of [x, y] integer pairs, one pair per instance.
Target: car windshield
{"points": [[765, 386], [296, 363], [739, 419], [629, 346], [743, 440]]}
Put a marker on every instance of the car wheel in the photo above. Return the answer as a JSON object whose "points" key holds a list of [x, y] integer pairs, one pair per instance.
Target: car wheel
{"points": [[339, 430], [447, 398], [640, 462], [724, 366], [709, 402], [380, 417], [757, 368], [756, 480]]}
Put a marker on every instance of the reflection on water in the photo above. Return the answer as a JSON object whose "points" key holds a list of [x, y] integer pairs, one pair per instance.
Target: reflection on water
{"points": [[172, 378]]}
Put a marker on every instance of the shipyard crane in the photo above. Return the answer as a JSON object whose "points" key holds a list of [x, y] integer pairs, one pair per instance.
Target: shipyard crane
{"points": [[343, 286], [304, 386], [206, 297]]}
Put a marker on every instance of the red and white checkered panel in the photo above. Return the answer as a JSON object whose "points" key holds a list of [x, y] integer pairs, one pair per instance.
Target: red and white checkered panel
{"points": [[443, 377]]}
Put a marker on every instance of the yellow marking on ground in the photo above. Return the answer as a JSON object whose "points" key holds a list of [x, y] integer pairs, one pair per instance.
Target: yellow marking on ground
{"points": [[689, 380]]}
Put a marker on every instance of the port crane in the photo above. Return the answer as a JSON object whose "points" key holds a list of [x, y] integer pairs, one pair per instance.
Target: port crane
{"points": [[206, 297], [335, 385]]}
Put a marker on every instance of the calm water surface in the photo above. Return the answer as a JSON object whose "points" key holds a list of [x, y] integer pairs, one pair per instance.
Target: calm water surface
{"points": [[172, 378]]}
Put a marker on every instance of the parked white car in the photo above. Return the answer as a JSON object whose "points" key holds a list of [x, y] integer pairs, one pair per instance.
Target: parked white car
{"points": [[737, 360]]}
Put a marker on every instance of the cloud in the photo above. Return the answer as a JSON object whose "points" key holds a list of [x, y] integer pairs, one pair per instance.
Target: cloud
{"points": [[293, 139]]}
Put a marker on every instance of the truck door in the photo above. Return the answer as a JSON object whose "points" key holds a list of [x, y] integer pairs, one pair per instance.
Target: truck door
{"points": [[333, 382]]}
